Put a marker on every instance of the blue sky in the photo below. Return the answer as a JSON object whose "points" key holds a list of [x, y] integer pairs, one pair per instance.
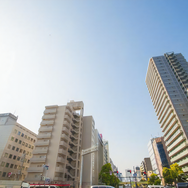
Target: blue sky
{"points": [[94, 51]]}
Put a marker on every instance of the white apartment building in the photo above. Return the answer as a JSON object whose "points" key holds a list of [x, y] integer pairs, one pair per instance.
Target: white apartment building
{"points": [[167, 82], [58, 145], [16, 147]]}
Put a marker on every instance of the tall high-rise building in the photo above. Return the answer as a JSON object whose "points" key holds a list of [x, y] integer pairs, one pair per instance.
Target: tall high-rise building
{"points": [[167, 82], [16, 147], [106, 156], [58, 149]]}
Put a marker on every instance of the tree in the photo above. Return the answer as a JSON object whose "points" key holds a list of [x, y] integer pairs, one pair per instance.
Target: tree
{"points": [[154, 180], [167, 176], [105, 177], [173, 174]]}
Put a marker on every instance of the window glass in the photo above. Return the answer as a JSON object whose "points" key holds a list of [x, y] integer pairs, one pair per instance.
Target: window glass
{"points": [[17, 149], [15, 167], [26, 136], [21, 150], [24, 151], [19, 132], [9, 146], [16, 140], [11, 166], [6, 155], [23, 143], [22, 135], [12, 138], [26, 144], [14, 157], [13, 147], [20, 141], [7, 165], [10, 156], [28, 161], [4, 174], [2, 163], [29, 146], [18, 158]]}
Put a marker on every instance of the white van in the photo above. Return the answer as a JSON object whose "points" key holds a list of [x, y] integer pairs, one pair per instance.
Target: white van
{"points": [[101, 186], [155, 186]]}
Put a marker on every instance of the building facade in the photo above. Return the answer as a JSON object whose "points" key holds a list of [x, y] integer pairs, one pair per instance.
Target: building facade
{"points": [[106, 156], [16, 147], [57, 151], [148, 167], [167, 82]]}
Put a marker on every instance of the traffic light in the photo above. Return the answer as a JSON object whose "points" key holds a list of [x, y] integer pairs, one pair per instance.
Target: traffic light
{"points": [[130, 171], [145, 173], [117, 172]]}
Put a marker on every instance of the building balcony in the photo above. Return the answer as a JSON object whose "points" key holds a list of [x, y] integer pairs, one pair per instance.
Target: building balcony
{"points": [[59, 169], [185, 170], [67, 118], [180, 139], [167, 120], [178, 132], [65, 137], [40, 151], [181, 155], [42, 143], [62, 143], [35, 169], [46, 129], [38, 160], [43, 135], [48, 117], [65, 130], [60, 160], [179, 148], [68, 112], [66, 124], [166, 127], [47, 123], [165, 116], [50, 111], [183, 162], [62, 151], [175, 127]]}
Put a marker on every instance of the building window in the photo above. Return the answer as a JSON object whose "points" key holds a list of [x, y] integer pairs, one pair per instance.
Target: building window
{"points": [[26, 144], [4, 174], [12, 138], [16, 140], [14, 157], [7, 165], [17, 149], [11, 166], [29, 146], [2, 163], [28, 161], [10, 156], [9, 146], [15, 167], [23, 143], [13, 147], [21, 150], [22, 135], [32, 147], [19, 133], [25, 136], [28, 138], [20, 141], [6, 155], [31, 139], [18, 158]]}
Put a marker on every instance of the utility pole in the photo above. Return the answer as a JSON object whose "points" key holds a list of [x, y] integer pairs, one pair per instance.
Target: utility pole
{"points": [[85, 152]]}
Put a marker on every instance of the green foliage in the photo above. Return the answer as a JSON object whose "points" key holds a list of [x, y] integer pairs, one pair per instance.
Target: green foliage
{"points": [[154, 180], [173, 174], [105, 177]]}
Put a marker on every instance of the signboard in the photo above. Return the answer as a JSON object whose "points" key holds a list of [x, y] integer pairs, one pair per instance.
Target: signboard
{"points": [[47, 180]]}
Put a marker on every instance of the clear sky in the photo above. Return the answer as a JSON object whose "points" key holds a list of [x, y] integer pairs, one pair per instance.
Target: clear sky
{"points": [[97, 51]]}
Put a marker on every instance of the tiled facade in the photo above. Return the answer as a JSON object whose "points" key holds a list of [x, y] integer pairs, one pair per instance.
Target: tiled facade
{"points": [[16, 147]]}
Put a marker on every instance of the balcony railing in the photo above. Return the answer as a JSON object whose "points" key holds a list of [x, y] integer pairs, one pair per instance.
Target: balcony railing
{"points": [[180, 139], [66, 124], [178, 132], [42, 135], [48, 117], [38, 160], [35, 169], [46, 129], [60, 160], [175, 127], [59, 169], [64, 136], [40, 151], [62, 151], [179, 148], [169, 126], [50, 111], [62, 143], [47, 122], [65, 130], [182, 154], [42, 143]]}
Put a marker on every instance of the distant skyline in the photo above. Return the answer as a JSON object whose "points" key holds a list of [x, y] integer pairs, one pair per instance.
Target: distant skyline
{"points": [[91, 51]]}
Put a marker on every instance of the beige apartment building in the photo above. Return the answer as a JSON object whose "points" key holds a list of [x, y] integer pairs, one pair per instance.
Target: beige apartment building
{"points": [[58, 148], [167, 82], [16, 147]]}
